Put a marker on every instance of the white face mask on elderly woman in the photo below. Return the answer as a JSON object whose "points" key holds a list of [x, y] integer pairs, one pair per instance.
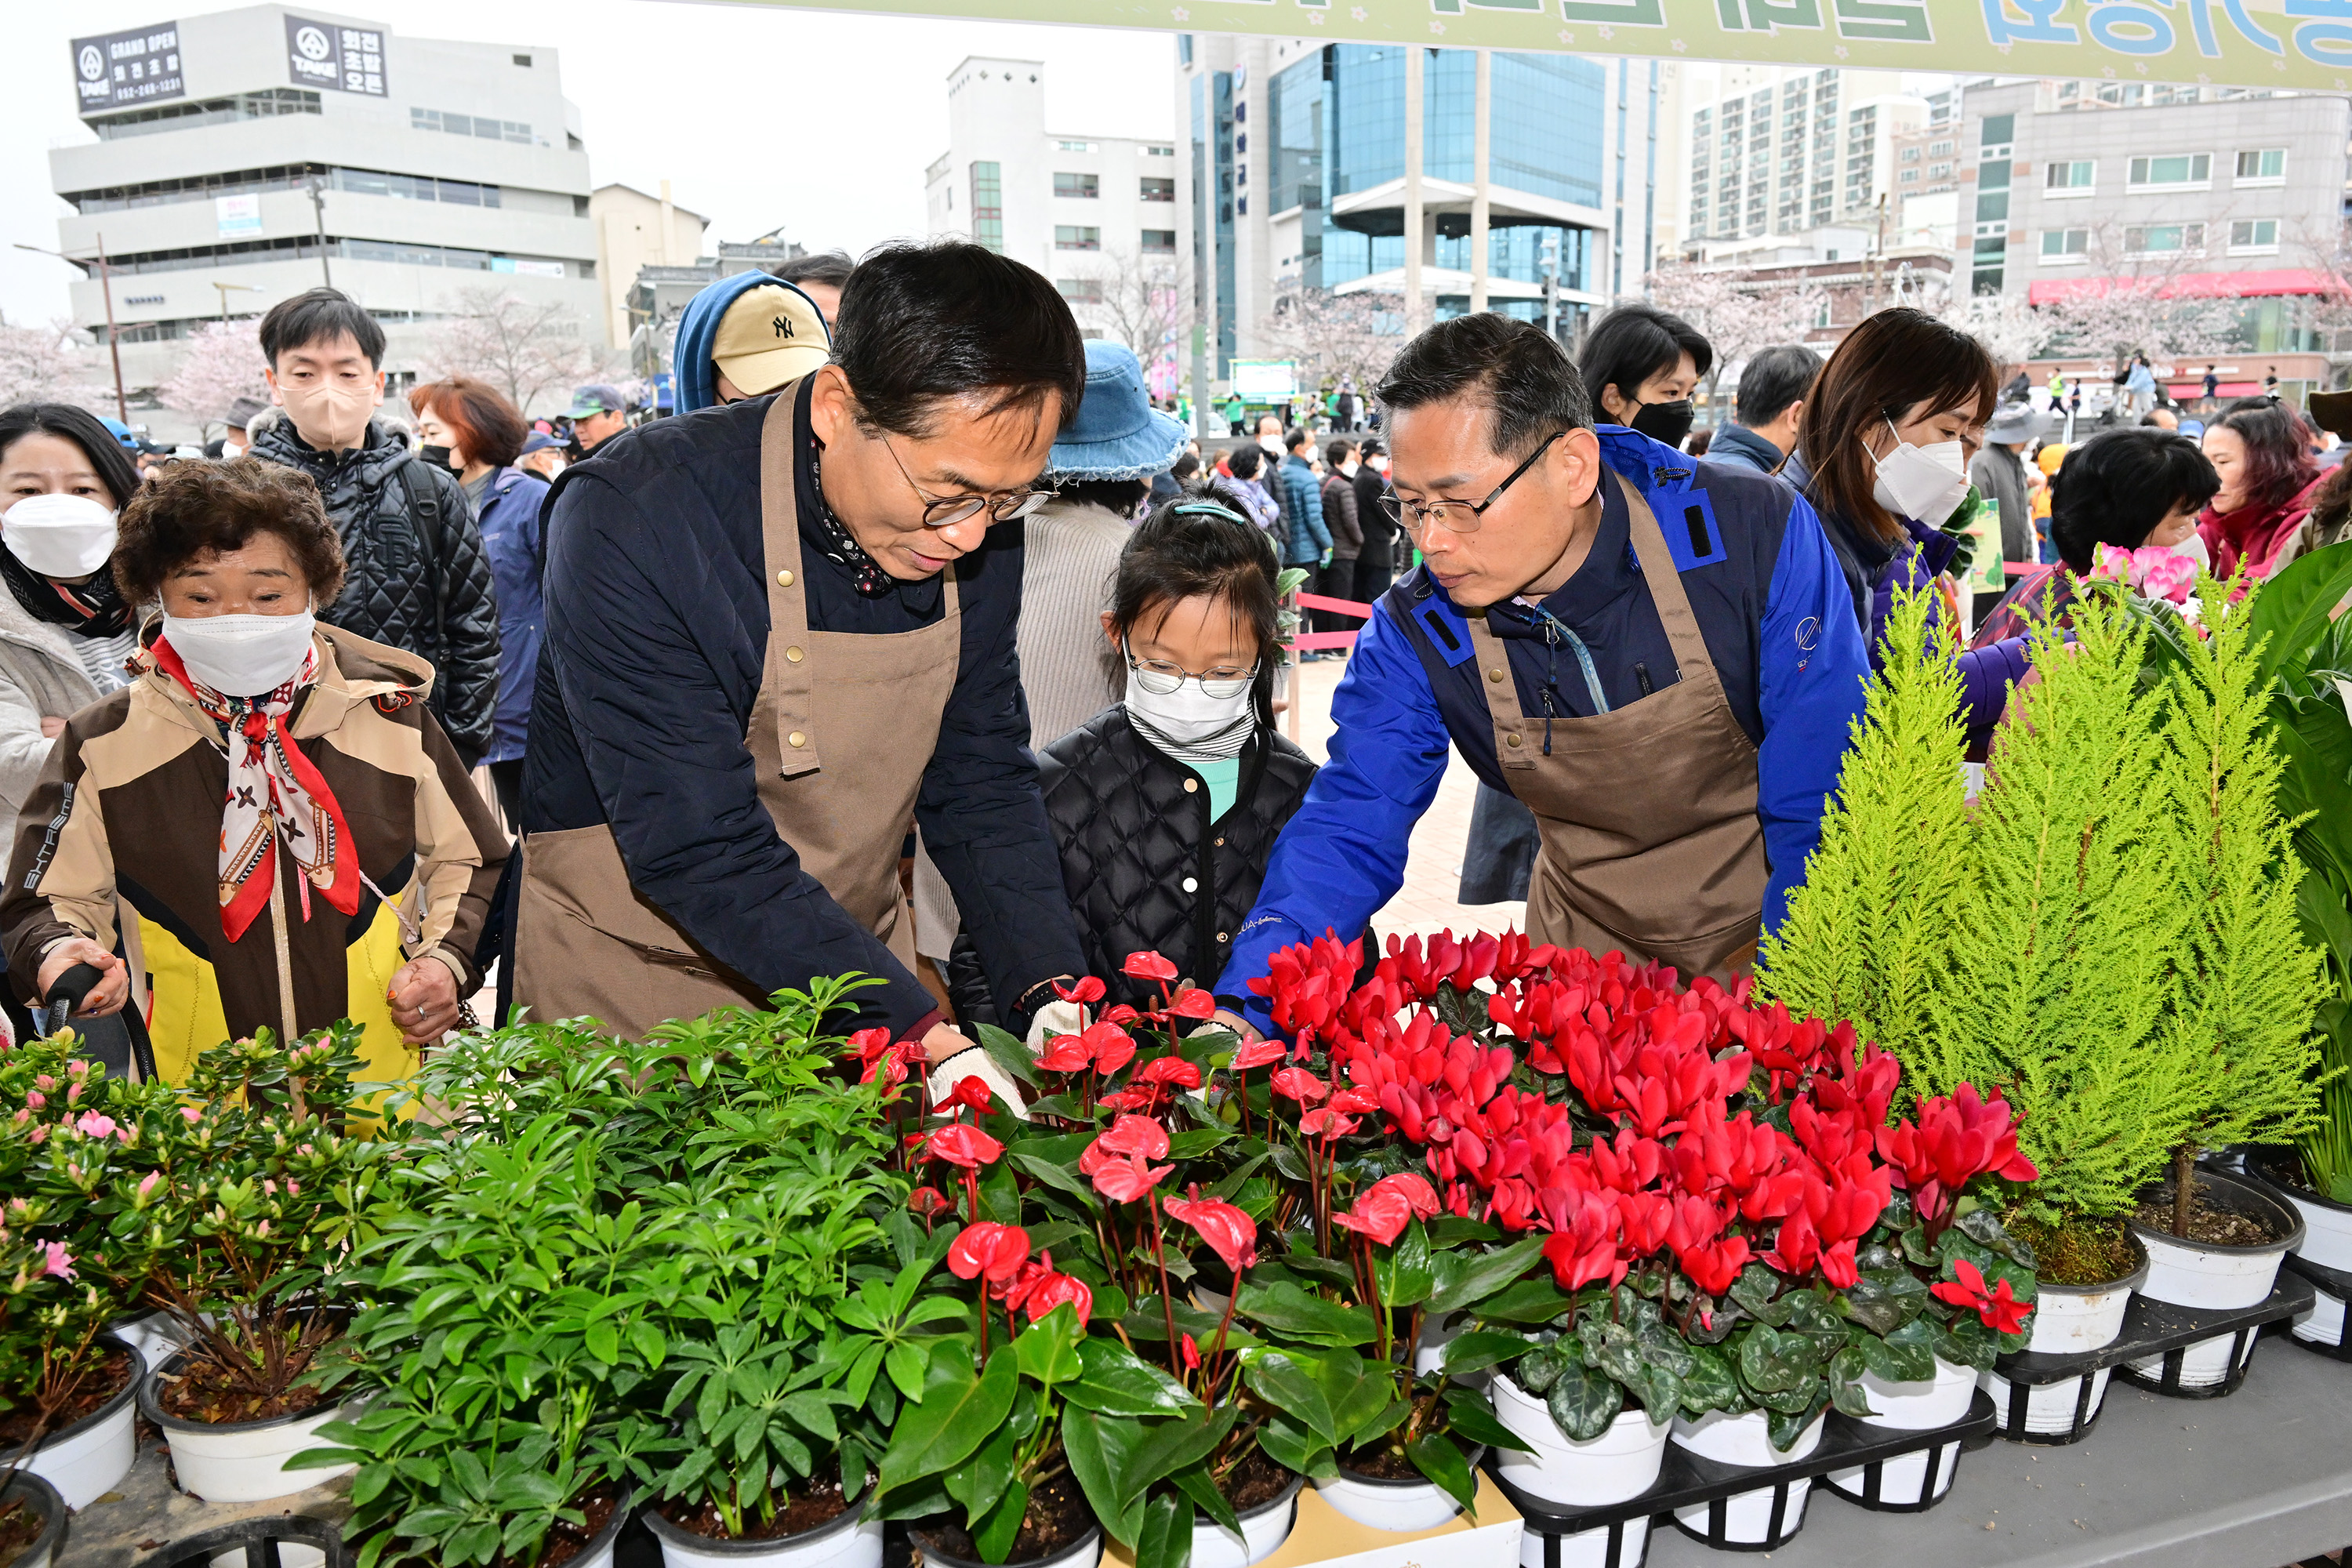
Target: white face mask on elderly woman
{"points": [[241, 656]]}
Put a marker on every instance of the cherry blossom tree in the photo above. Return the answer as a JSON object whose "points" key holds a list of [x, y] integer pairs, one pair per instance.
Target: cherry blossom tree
{"points": [[1336, 337], [50, 365], [2007, 324], [1140, 301], [223, 363], [1741, 313], [525, 348]]}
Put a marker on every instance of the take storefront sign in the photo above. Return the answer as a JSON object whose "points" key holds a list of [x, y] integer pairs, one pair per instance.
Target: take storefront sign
{"points": [[2246, 43]]}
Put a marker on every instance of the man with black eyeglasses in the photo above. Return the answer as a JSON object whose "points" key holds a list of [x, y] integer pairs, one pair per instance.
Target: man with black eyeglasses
{"points": [[778, 631], [1658, 657]]}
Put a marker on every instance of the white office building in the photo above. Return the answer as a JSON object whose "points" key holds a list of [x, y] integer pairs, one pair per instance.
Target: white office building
{"points": [[241, 157], [1095, 214]]}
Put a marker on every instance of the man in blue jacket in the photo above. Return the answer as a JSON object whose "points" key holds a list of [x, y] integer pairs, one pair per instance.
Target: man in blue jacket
{"points": [[1659, 656], [780, 632], [1302, 504]]}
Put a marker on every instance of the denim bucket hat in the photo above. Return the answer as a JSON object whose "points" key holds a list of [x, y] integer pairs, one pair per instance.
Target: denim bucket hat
{"points": [[1118, 434]]}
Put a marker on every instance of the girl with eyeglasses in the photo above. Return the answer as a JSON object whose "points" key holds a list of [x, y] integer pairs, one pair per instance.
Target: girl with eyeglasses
{"points": [[1166, 805]]}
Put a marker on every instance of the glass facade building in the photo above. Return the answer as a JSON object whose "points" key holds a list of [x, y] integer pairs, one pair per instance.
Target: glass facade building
{"points": [[1212, 146], [1336, 129]]}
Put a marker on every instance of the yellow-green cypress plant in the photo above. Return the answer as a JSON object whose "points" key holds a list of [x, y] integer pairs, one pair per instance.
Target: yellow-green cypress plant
{"points": [[2239, 1033], [2062, 975], [1867, 937]]}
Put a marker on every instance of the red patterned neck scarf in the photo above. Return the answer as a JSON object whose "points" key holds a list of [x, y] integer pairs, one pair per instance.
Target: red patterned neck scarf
{"points": [[275, 794]]}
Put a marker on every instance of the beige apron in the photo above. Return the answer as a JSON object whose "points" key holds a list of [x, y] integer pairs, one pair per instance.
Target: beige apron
{"points": [[1651, 842], [586, 942]]}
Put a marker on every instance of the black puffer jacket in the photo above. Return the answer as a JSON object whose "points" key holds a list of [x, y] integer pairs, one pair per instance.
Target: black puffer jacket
{"points": [[1144, 867], [431, 595]]}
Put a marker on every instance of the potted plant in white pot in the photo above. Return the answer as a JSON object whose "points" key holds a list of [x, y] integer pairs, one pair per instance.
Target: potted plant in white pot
{"points": [[239, 1230], [71, 1142]]}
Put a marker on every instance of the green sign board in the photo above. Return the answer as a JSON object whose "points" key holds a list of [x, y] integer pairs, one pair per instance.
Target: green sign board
{"points": [[2247, 43]]}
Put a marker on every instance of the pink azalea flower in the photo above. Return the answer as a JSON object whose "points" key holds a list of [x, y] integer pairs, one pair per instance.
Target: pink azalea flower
{"points": [[59, 1262]]}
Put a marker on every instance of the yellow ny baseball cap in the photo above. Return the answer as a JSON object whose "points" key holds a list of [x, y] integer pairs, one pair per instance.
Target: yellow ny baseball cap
{"points": [[770, 335]]}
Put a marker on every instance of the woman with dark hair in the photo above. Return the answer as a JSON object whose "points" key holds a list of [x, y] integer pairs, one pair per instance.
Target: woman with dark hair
{"points": [[1883, 454], [64, 632], [2268, 481], [1642, 364], [1257, 502], [1166, 805], [288, 827], [469, 427], [2137, 487]]}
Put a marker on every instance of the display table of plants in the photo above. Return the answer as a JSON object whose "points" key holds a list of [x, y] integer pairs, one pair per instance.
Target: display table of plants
{"points": [[1481, 1219]]}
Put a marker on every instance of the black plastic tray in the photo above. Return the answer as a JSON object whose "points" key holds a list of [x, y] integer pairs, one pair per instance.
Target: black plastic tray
{"points": [[1686, 1480], [2335, 1282], [2150, 1328]]}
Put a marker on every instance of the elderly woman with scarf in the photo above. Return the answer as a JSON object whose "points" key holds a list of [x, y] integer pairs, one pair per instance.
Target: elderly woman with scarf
{"points": [[2268, 481], [284, 823]]}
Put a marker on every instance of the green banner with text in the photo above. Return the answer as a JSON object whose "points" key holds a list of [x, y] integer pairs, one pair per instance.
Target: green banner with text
{"points": [[2246, 43]]}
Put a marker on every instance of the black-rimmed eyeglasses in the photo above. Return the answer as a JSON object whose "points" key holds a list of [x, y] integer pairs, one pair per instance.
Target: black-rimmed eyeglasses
{"points": [[945, 511], [1455, 516]]}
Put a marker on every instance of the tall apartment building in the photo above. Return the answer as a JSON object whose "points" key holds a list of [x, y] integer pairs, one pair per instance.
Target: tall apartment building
{"points": [[2220, 192], [1775, 150], [1303, 147], [244, 156], [1096, 214]]}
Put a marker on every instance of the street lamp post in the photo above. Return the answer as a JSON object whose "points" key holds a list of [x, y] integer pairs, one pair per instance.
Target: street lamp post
{"points": [[106, 284], [224, 290], [318, 183]]}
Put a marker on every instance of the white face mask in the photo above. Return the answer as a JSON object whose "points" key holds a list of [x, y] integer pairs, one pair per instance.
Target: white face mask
{"points": [[1350, 467], [2193, 547], [1190, 716], [1924, 483], [241, 655], [232, 449], [60, 536]]}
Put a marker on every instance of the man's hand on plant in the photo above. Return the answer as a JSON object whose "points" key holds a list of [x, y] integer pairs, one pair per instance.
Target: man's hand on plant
{"points": [[114, 987], [955, 1058]]}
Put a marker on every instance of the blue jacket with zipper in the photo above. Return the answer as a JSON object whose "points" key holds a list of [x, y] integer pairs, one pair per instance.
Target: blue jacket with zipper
{"points": [[1778, 622], [1302, 506]]}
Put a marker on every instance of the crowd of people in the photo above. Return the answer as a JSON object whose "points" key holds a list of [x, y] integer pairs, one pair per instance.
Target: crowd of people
{"points": [[924, 644]]}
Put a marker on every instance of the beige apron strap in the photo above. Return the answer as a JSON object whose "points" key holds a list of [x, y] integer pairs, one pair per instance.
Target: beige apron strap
{"points": [[1665, 585], [786, 684]]}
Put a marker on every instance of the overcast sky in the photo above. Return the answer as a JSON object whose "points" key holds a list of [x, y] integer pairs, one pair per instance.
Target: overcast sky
{"points": [[756, 115]]}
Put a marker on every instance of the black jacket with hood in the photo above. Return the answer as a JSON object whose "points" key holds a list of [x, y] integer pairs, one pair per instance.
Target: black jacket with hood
{"points": [[428, 593]]}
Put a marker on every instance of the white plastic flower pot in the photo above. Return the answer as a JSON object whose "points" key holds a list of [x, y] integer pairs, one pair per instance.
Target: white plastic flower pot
{"points": [[1588, 1548], [2327, 1223], [1084, 1552], [1413, 1504], [1919, 1406], [48, 1507], [1746, 1439], [1621, 1463], [2198, 1275], [2068, 1320], [240, 1461], [598, 1552], [2324, 1324], [1263, 1529], [846, 1540], [85, 1460]]}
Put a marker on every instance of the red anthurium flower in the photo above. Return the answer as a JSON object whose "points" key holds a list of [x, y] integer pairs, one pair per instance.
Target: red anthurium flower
{"points": [[989, 1251], [1087, 990], [1125, 1180], [1382, 1215], [1109, 1046], [1998, 1308], [867, 1044], [1120, 1014], [1231, 1234], [1299, 1084], [1065, 1054], [1193, 1003], [1418, 1194], [1129, 1137], [925, 1201], [1042, 1288], [1148, 966], [1192, 1354], [1323, 1121], [1129, 1100], [1258, 1053], [1173, 1070], [971, 1094], [961, 1144]]}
